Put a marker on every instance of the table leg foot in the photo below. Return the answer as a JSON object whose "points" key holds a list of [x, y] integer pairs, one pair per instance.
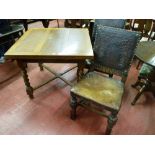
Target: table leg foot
{"points": [[41, 66]]}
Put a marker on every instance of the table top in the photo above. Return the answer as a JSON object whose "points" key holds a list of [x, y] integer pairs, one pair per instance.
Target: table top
{"points": [[52, 43], [146, 52]]}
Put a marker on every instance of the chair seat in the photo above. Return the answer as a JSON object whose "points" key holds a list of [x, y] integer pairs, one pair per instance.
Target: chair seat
{"points": [[103, 90], [145, 70]]}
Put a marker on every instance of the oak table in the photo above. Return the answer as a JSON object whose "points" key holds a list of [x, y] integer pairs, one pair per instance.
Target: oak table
{"points": [[51, 45]]}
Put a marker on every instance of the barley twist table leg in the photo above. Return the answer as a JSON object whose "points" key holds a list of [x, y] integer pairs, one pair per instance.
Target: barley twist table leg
{"points": [[29, 89]]}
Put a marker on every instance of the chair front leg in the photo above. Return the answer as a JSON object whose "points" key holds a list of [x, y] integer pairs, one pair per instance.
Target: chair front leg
{"points": [[112, 119], [73, 105]]}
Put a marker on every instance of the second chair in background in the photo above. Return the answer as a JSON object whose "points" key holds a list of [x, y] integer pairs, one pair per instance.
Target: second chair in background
{"points": [[145, 53], [117, 23]]}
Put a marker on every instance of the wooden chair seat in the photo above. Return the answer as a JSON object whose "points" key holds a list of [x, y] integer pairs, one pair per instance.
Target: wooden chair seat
{"points": [[103, 90]]}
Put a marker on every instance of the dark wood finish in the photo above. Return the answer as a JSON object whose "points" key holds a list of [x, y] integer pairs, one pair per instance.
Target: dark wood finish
{"points": [[29, 89], [26, 22], [128, 24], [97, 92], [41, 66], [45, 22], [152, 36], [112, 119], [77, 23], [8, 38], [80, 70], [143, 25]]}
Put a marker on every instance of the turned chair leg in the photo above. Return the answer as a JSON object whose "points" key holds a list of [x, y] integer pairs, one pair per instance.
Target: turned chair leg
{"points": [[112, 119], [73, 105], [138, 95]]}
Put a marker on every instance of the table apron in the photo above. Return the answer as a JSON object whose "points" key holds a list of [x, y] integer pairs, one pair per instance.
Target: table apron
{"points": [[51, 60]]}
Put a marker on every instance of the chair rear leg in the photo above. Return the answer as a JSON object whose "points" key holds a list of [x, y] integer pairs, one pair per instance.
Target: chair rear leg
{"points": [[112, 119], [73, 105]]}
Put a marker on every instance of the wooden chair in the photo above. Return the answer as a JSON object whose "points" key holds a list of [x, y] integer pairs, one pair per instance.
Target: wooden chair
{"points": [[145, 27], [146, 77], [117, 23], [113, 53]]}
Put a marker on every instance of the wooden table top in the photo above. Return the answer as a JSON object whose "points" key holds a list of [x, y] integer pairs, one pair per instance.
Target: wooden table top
{"points": [[52, 43], [146, 52]]}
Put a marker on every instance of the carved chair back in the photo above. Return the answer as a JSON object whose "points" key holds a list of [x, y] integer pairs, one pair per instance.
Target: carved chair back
{"points": [[114, 49]]}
